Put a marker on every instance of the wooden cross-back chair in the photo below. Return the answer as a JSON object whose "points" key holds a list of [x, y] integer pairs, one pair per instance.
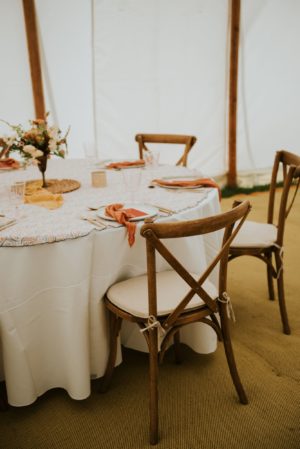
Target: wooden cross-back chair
{"points": [[161, 303], [265, 240], [188, 141]]}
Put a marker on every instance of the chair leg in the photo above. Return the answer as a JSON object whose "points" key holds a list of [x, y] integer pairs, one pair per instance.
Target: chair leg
{"points": [[230, 356], [270, 277], [281, 298], [115, 323], [153, 371], [177, 351], [3, 397]]}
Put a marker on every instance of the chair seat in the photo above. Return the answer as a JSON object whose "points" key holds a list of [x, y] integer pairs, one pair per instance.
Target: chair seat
{"points": [[255, 235], [132, 295]]}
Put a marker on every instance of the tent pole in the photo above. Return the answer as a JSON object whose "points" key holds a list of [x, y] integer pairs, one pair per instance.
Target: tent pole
{"points": [[233, 83], [34, 57]]}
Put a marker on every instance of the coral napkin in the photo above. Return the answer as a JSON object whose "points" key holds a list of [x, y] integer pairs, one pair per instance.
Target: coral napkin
{"points": [[123, 216], [35, 194], [199, 182], [9, 163], [125, 164]]}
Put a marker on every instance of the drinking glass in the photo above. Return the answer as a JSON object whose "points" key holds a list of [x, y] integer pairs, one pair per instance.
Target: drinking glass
{"points": [[17, 192], [151, 158], [4, 198], [90, 154], [132, 181]]}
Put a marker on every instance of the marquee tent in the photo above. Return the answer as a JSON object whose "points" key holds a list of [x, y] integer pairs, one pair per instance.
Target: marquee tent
{"points": [[112, 68]]}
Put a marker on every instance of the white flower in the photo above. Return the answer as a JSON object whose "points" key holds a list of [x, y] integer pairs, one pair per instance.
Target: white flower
{"points": [[30, 149], [53, 132], [9, 140], [38, 153], [52, 145], [34, 152]]}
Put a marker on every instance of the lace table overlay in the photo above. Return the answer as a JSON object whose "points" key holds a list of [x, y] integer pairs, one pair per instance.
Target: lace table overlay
{"points": [[36, 225]]}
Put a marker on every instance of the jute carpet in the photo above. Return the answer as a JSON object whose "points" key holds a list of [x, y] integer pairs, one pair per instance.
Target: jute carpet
{"points": [[198, 405]]}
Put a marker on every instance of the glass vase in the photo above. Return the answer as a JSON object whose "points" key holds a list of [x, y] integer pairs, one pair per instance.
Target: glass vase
{"points": [[42, 164]]}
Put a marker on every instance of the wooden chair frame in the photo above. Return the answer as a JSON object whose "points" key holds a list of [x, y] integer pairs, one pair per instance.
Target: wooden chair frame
{"points": [[290, 164], [188, 141], [169, 325]]}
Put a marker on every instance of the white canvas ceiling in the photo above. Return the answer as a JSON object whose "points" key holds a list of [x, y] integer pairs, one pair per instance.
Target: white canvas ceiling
{"points": [[113, 68]]}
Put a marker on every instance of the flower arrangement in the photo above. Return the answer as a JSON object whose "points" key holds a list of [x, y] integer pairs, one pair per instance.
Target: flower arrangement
{"points": [[36, 144]]}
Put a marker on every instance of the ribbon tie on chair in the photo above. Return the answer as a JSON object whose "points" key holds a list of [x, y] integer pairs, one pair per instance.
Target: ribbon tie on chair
{"points": [[225, 299], [153, 322], [281, 259]]}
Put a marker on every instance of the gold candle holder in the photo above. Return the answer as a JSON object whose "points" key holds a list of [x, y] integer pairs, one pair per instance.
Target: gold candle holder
{"points": [[99, 178]]}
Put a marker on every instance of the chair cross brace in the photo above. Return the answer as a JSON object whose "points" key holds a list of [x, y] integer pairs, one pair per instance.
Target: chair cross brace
{"points": [[195, 285]]}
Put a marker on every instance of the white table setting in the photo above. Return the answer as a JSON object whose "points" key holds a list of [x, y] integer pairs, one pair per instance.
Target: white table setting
{"points": [[57, 264]]}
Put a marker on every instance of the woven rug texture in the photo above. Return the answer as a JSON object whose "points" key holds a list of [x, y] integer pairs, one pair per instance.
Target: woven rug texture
{"points": [[198, 405]]}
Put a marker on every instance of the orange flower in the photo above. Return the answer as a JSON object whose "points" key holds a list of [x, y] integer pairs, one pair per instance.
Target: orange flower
{"points": [[31, 134], [44, 138]]}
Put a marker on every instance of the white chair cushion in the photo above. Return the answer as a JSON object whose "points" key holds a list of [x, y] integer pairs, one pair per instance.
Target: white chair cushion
{"points": [[132, 295], [253, 234]]}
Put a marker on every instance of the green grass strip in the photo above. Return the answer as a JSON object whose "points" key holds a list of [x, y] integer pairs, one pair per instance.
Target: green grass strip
{"points": [[231, 191]]}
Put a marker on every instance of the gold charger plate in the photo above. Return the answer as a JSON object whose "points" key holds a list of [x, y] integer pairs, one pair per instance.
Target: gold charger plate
{"points": [[57, 185]]}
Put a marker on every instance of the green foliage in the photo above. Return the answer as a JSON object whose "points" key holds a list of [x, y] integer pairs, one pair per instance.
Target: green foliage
{"points": [[230, 191]]}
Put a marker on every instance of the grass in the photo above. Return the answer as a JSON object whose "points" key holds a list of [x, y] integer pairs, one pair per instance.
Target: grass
{"points": [[231, 191]]}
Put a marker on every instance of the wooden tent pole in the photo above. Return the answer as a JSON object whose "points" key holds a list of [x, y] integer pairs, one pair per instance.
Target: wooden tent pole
{"points": [[233, 84], [34, 57]]}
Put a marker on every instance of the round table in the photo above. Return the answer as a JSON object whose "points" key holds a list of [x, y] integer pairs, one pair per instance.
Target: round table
{"points": [[56, 268]]}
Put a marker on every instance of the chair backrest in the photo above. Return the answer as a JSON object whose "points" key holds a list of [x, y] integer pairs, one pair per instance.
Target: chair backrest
{"points": [[188, 141], [155, 232], [289, 163]]}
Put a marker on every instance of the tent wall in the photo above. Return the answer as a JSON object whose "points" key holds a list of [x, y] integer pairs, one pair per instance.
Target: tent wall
{"points": [[16, 102], [269, 74], [159, 66], [66, 58]]}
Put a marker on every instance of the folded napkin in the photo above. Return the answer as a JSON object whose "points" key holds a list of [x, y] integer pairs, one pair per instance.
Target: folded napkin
{"points": [[9, 163], [123, 216], [35, 194], [199, 182], [125, 164]]}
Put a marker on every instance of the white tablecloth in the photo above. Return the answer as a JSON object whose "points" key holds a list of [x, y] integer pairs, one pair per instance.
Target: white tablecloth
{"points": [[55, 269]]}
